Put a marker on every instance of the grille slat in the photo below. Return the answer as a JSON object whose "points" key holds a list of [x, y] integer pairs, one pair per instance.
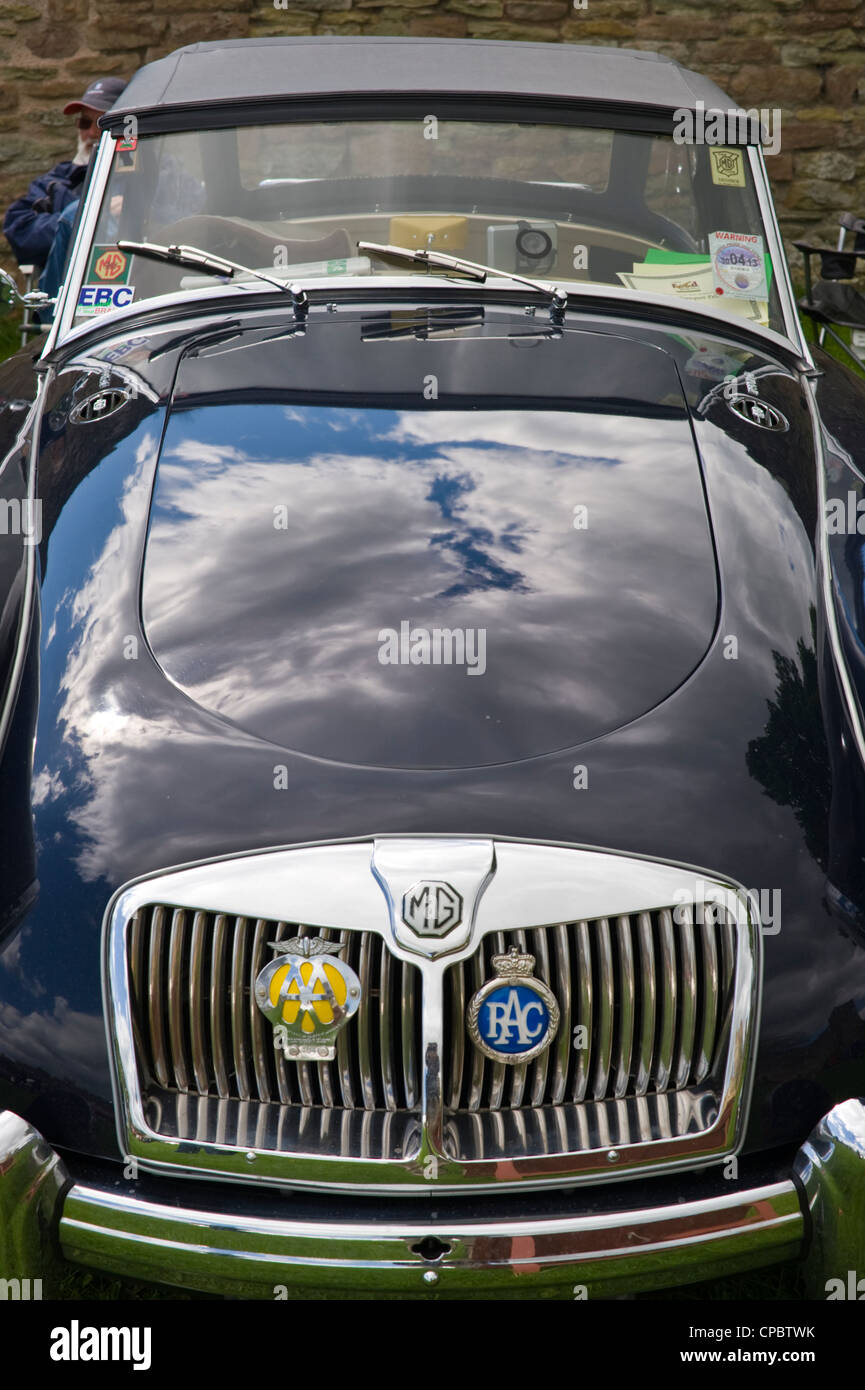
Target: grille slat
{"points": [[605, 1009], [669, 1000], [648, 995], [585, 1016], [239, 1047], [541, 1067], [564, 1040], [385, 1029], [476, 1080], [262, 1047], [364, 1021], [627, 1005], [218, 1032], [176, 1001], [497, 1070], [709, 996], [198, 985], [688, 998], [156, 998], [518, 1073]]}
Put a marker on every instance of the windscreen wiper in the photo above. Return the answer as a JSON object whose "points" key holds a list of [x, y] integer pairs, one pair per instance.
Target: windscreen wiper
{"points": [[195, 259], [475, 271]]}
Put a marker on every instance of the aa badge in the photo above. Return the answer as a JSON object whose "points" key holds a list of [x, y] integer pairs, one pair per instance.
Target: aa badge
{"points": [[513, 1017], [308, 995]]}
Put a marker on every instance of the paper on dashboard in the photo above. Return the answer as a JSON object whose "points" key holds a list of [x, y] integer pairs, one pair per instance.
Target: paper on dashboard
{"points": [[693, 282]]}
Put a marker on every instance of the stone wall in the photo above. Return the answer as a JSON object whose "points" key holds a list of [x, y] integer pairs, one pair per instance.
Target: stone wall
{"points": [[804, 57]]}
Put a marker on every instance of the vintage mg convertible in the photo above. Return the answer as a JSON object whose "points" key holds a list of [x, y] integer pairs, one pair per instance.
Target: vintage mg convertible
{"points": [[431, 617]]}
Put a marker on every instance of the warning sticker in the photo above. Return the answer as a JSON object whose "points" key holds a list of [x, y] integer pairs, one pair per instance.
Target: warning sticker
{"points": [[101, 299], [728, 166], [738, 265]]}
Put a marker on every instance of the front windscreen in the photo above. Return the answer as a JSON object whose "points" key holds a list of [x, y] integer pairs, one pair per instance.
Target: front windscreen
{"points": [[562, 203]]}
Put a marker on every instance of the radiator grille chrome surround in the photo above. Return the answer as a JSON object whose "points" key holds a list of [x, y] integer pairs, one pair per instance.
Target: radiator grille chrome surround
{"points": [[667, 1002]]}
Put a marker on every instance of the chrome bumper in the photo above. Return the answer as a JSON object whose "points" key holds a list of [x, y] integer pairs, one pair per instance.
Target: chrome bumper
{"points": [[587, 1256]]}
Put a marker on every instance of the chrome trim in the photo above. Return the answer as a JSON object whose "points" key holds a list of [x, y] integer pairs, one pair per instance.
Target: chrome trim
{"points": [[824, 577], [777, 254], [535, 887], [831, 1168], [76, 266], [32, 1182], [22, 635], [204, 1248]]}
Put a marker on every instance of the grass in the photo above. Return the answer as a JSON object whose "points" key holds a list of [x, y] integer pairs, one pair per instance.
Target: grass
{"points": [[10, 334], [811, 333]]}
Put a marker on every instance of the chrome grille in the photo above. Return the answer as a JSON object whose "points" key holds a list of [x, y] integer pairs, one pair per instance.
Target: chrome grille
{"points": [[668, 1004], [653, 994], [198, 1031]]}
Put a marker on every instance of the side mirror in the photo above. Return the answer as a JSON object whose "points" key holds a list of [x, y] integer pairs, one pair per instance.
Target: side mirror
{"points": [[10, 295]]}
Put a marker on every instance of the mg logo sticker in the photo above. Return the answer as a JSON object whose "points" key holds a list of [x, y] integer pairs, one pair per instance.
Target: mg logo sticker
{"points": [[432, 908]]}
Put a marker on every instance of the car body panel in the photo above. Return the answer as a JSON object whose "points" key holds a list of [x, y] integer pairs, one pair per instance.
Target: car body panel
{"points": [[146, 778]]}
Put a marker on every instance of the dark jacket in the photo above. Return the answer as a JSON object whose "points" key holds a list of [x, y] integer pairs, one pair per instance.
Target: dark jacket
{"points": [[31, 222]]}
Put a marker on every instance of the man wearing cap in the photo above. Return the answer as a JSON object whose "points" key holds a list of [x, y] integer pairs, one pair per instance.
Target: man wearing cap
{"points": [[31, 222]]}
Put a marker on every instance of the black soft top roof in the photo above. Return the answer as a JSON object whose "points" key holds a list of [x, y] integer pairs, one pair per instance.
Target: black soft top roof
{"points": [[208, 75]]}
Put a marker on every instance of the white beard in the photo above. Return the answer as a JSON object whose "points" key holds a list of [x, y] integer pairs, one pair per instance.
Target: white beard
{"points": [[84, 151]]}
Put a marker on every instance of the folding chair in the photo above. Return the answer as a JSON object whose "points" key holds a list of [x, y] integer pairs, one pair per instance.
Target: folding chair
{"points": [[829, 303], [29, 326]]}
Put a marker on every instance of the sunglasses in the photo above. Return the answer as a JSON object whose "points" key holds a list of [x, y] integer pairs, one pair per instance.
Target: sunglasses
{"points": [[86, 122]]}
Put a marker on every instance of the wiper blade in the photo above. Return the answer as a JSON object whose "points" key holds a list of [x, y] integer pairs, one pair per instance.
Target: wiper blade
{"points": [[195, 259], [475, 271]]}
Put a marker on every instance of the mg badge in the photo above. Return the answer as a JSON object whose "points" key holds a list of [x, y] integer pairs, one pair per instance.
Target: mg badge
{"points": [[514, 1017], [308, 995], [432, 908]]}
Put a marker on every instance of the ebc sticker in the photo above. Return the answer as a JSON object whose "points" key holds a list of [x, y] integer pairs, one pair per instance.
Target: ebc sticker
{"points": [[108, 265], [738, 265], [101, 299]]}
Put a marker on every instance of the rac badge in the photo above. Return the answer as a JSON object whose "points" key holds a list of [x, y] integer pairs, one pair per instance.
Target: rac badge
{"points": [[308, 996], [514, 1017]]}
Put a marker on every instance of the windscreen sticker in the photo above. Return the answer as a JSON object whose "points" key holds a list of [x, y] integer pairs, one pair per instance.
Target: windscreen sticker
{"points": [[108, 266], [728, 167], [738, 265], [125, 155], [101, 299]]}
